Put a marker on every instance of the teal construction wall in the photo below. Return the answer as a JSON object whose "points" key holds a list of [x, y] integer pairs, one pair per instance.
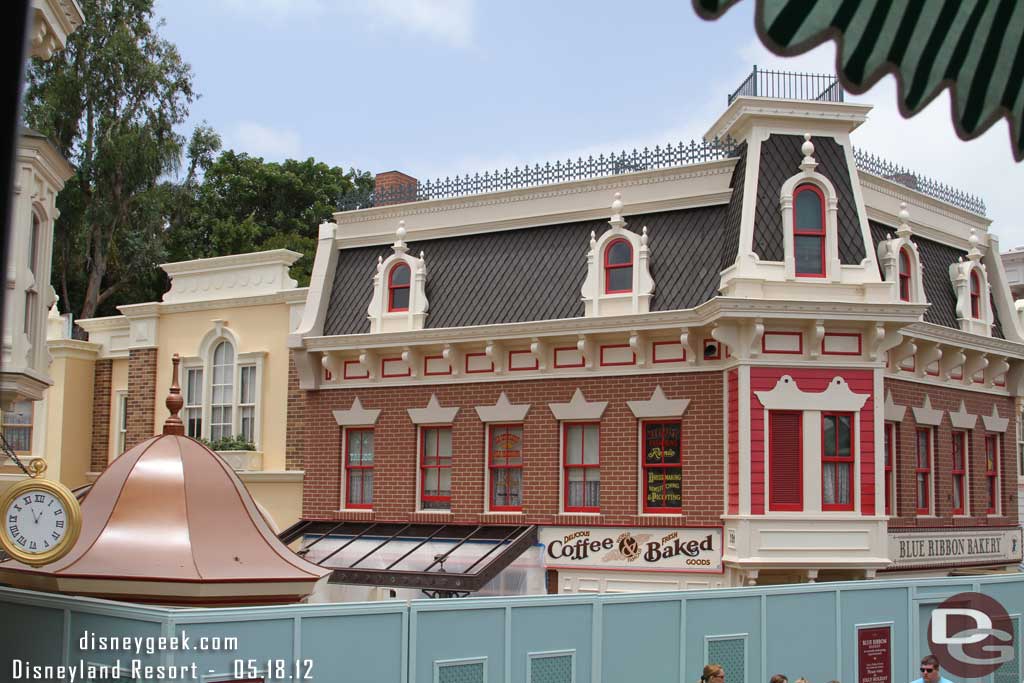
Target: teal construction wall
{"points": [[804, 630]]}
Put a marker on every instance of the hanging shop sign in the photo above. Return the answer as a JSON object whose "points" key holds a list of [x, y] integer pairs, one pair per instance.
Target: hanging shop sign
{"points": [[874, 654], [675, 550], [948, 547]]}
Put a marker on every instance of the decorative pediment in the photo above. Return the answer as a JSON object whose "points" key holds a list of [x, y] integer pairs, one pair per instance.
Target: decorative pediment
{"points": [[433, 413], [503, 411], [356, 416], [994, 423], [973, 299], [786, 395], [399, 278], [961, 419], [578, 409], [659, 406], [893, 412], [808, 175], [603, 295], [899, 256], [926, 415]]}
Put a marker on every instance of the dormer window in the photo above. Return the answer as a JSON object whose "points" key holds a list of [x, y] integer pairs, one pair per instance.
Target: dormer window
{"points": [[398, 288], [618, 267], [904, 275], [975, 295], [809, 231]]}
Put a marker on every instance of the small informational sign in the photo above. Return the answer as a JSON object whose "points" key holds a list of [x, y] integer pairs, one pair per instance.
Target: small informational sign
{"points": [[951, 547], [874, 654], [675, 550]]}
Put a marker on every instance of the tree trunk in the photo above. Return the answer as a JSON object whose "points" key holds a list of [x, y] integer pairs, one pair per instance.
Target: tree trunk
{"points": [[97, 269]]}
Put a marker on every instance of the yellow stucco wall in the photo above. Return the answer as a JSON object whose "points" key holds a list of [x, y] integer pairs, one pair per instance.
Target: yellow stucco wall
{"points": [[68, 422], [257, 328], [281, 500]]}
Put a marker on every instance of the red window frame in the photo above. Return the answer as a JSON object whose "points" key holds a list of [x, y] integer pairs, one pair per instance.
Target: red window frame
{"points": [[773, 504], [591, 471], [904, 275], [609, 267], [361, 469], [958, 473], [922, 470], [975, 295], [651, 468], [797, 232], [500, 468], [435, 464], [392, 286], [837, 458], [992, 472], [889, 436]]}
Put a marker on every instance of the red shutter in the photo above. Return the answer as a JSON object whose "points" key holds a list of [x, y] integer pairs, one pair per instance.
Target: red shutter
{"points": [[785, 461]]}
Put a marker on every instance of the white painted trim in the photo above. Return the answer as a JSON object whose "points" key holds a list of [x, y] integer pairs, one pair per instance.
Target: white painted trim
{"points": [[579, 409], [432, 414], [927, 416], [787, 396], [503, 411], [658, 406], [963, 420], [356, 416]]}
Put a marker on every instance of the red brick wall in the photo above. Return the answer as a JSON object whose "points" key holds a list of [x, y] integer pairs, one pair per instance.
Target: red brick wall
{"points": [[141, 395], [395, 494], [296, 424], [394, 187], [815, 380], [101, 414], [946, 399]]}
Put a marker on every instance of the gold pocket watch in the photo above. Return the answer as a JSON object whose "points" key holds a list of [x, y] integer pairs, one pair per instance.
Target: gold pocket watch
{"points": [[41, 518]]}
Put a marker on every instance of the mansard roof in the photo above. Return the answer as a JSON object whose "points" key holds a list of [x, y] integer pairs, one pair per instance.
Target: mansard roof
{"points": [[935, 260], [536, 273]]}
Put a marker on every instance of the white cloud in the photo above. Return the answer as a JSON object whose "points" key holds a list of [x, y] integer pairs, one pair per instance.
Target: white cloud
{"points": [[273, 144]]}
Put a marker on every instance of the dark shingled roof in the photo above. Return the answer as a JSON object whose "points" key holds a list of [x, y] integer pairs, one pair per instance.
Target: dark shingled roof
{"points": [[780, 160], [935, 259], [734, 214], [535, 273]]}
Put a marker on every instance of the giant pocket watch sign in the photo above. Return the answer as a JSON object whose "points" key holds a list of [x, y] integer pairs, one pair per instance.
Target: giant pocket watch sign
{"points": [[42, 519], [688, 549]]}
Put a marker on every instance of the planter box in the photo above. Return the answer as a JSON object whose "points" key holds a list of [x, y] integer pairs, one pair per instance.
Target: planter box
{"points": [[242, 461]]}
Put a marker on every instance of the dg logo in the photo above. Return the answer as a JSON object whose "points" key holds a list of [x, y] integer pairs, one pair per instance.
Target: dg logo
{"points": [[971, 635]]}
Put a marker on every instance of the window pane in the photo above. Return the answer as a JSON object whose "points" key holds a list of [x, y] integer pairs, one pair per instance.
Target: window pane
{"points": [[620, 279], [844, 483], [248, 384], [400, 275], [575, 488], [430, 479], [224, 354], [19, 438], [844, 435], [247, 417], [922, 490], [400, 298], [194, 392], [445, 481], [367, 487], [957, 483], [922, 449], [355, 487], [574, 444], [809, 254], [620, 252], [444, 448], [367, 447], [590, 445], [829, 435], [194, 419], [808, 210], [828, 479], [593, 488], [19, 414], [430, 444]]}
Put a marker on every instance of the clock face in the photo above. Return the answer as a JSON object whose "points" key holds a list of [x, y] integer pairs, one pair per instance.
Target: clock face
{"points": [[35, 522]]}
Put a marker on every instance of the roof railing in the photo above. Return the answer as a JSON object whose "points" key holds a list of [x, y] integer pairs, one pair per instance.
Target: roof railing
{"points": [[790, 85], [884, 168]]}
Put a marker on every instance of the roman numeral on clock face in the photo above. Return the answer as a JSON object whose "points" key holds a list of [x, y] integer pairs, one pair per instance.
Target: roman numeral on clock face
{"points": [[40, 498], [59, 512], [55, 535], [28, 500], [21, 540], [60, 523], [12, 518]]}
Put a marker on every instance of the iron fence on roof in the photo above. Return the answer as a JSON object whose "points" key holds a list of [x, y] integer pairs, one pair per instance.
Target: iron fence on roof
{"points": [[626, 161], [790, 85], [915, 181]]}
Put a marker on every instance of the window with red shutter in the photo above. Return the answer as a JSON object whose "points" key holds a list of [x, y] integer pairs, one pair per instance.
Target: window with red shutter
{"points": [[785, 461]]}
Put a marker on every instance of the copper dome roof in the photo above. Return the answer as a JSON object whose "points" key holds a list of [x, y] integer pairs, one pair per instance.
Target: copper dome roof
{"points": [[169, 521]]}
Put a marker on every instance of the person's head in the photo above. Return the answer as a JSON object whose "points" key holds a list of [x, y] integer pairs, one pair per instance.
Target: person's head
{"points": [[930, 669], [713, 673], [800, 680], [778, 678]]}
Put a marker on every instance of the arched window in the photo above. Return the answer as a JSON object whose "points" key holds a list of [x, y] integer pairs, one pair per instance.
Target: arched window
{"points": [[221, 425], [398, 288], [975, 295], [809, 231], [618, 267], [904, 276]]}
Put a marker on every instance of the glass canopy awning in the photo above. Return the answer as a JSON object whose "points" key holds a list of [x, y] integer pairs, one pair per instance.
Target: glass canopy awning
{"points": [[438, 558]]}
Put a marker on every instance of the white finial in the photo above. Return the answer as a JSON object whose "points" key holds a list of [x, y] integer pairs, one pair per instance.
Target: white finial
{"points": [[904, 229], [974, 254], [643, 237], [904, 214], [973, 239], [617, 203], [616, 219], [399, 245], [808, 164], [380, 263], [593, 239], [401, 230], [421, 255]]}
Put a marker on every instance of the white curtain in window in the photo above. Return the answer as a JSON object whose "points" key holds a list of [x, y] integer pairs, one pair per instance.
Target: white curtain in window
{"points": [[223, 378]]}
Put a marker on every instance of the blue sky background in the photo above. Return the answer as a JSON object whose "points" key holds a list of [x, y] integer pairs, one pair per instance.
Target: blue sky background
{"points": [[439, 87]]}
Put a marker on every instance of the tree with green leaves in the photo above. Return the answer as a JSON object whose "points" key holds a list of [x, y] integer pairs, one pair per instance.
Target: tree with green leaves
{"points": [[110, 102], [244, 203]]}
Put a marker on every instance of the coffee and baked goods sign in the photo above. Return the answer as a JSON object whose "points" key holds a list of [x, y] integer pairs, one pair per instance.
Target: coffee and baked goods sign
{"points": [[675, 550], [948, 547]]}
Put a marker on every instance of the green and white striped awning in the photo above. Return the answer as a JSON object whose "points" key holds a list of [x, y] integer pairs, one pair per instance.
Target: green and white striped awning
{"points": [[976, 47]]}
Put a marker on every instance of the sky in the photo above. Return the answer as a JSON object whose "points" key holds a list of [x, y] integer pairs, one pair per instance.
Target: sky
{"points": [[435, 88]]}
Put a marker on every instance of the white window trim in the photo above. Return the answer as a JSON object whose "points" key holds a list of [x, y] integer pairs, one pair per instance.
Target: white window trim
{"points": [[968, 433], [889, 259], [809, 176], [642, 285], [419, 467], [932, 429], [487, 465], [641, 492], [999, 474], [121, 438], [343, 476], [562, 422]]}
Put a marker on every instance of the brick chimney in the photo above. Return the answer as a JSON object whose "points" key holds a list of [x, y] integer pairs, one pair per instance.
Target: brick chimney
{"points": [[394, 187]]}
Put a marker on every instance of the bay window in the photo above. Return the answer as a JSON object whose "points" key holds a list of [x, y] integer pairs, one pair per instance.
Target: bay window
{"points": [[582, 467], [435, 468], [837, 461], [662, 467], [785, 461], [17, 426], [505, 466]]}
